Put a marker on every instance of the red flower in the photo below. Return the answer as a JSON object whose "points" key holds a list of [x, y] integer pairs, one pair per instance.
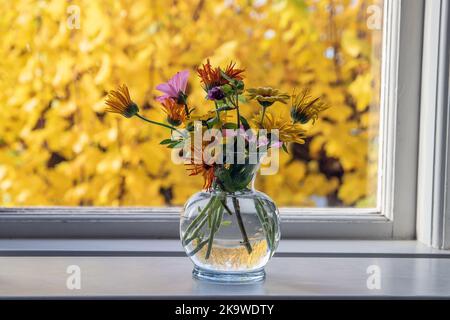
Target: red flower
{"points": [[211, 77]]}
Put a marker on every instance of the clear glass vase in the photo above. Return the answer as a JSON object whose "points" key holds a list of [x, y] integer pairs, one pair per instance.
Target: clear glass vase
{"points": [[230, 235]]}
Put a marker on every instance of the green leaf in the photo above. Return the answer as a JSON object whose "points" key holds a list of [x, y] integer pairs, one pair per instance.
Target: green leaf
{"points": [[225, 108], [244, 123], [211, 122], [283, 146], [166, 141], [176, 144], [230, 125], [227, 89], [242, 99]]}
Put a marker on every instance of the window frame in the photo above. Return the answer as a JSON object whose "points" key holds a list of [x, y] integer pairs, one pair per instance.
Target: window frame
{"points": [[395, 217], [433, 197]]}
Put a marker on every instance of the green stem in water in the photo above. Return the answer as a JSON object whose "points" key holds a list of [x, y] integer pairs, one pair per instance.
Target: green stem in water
{"points": [[195, 231], [265, 223], [224, 204], [198, 221], [237, 210], [198, 248], [211, 234]]}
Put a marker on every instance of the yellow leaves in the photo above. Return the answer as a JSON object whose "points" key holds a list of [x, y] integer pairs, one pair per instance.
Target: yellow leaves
{"points": [[110, 164], [142, 189], [153, 158], [224, 53], [64, 108], [319, 185], [94, 19], [30, 105], [335, 98], [346, 142], [58, 148], [352, 45], [297, 171], [64, 72], [354, 187], [362, 91], [109, 192], [81, 143]]}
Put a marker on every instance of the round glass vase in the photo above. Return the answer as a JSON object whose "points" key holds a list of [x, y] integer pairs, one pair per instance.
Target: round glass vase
{"points": [[230, 236]]}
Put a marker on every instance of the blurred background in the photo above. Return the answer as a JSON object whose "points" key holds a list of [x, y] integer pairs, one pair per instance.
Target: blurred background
{"points": [[59, 59]]}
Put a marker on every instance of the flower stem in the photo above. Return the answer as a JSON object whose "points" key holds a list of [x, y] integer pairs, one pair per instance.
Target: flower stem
{"points": [[186, 109], [237, 112], [263, 115], [217, 112], [213, 228], [198, 248], [266, 223], [198, 222], [237, 209], [159, 123]]}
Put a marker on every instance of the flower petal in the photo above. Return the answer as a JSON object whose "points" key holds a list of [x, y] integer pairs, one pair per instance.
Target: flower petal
{"points": [[183, 80], [168, 89], [163, 98], [179, 81]]}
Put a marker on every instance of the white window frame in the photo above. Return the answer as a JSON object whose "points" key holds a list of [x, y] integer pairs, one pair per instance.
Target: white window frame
{"points": [[394, 218], [433, 198]]}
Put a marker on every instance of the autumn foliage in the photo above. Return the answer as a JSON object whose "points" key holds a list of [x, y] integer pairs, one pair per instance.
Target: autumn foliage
{"points": [[58, 147]]}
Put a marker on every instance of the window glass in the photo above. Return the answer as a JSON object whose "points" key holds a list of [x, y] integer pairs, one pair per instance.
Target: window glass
{"points": [[60, 58]]}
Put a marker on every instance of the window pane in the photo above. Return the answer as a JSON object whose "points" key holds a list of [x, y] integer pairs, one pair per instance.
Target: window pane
{"points": [[58, 147]]}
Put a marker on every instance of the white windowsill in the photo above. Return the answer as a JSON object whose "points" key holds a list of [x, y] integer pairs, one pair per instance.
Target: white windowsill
{"points": [[158, 269], [153, 247]]}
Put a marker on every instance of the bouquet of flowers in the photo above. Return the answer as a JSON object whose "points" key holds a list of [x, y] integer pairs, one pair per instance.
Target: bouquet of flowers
{"points": [[228, 159]]}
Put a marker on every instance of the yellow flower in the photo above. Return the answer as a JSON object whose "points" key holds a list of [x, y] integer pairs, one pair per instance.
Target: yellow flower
{"points": [[267, 96], [304, 108], [119, 101], [287, 131], [210, 116], [204, 117]]}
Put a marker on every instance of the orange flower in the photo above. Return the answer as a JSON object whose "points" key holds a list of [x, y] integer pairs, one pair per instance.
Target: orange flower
{"points": [[196, 167], [119, 101], [176, 113], [205, 170], [211, 77]]}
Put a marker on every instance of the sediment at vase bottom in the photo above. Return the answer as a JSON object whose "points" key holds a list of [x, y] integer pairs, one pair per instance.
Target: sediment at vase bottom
{"points": [[226, 257], [228, 277]]}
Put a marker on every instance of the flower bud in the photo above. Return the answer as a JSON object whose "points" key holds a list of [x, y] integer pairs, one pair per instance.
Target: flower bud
{"points": [[216, 93]]}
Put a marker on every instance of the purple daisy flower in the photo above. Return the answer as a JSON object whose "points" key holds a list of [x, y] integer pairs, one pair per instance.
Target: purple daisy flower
{"points": [[215, 93], [174, 87]]}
